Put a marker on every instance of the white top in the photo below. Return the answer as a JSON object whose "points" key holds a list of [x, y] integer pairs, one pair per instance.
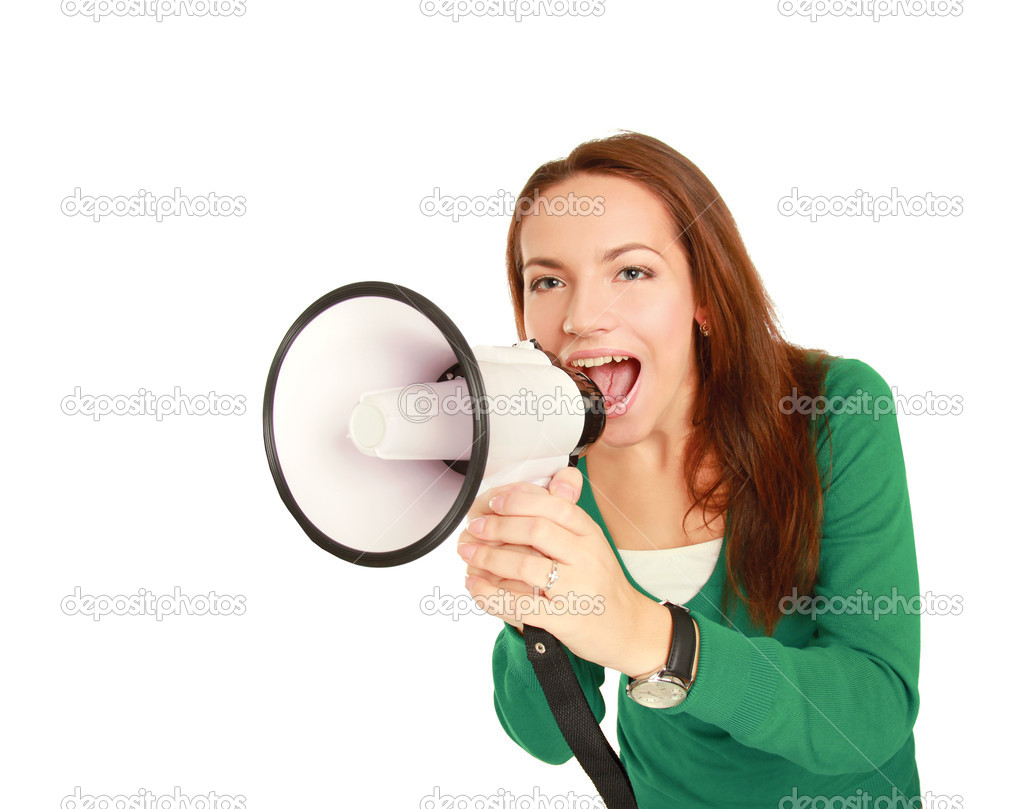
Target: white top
{"points": [[673, 574]]}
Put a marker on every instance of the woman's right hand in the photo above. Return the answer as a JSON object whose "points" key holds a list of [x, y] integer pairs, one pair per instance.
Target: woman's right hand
{"points": [[481, 509]]}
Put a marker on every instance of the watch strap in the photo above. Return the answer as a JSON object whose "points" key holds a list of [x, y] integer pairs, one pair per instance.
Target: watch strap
{"points": [[684, 643]]}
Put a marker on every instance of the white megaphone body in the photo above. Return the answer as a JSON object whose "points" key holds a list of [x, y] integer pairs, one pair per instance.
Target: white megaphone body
{"points": [[382, 425]]}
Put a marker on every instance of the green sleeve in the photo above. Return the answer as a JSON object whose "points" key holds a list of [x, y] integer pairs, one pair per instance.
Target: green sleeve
{"points": [[520, 703], [847, 699]]}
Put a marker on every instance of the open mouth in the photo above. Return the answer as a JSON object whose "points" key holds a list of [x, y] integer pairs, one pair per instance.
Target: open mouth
{"points": [[616, 377]]}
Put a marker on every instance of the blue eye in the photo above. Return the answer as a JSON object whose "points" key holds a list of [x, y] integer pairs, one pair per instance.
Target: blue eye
{"points": [[634, 268], [533, 286]]}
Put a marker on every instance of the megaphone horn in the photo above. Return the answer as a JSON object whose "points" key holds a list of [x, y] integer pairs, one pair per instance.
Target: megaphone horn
{"points": [[381, 425]]}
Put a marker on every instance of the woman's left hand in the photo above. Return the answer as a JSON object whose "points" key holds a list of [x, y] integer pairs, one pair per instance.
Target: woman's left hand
{"points": [[517, 531]]}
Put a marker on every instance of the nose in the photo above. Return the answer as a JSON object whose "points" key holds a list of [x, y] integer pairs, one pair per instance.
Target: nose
{"points": [[590, 311]]}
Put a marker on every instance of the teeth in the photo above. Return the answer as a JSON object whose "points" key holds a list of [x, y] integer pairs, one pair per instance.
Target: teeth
{"points": [[592, 361]]}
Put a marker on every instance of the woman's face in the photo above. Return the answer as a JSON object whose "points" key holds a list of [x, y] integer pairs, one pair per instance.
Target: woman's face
{"points": [[615, 283]]}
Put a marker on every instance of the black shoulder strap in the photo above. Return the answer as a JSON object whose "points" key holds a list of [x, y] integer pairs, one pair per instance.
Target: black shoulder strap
{"points": [[575, 719]]}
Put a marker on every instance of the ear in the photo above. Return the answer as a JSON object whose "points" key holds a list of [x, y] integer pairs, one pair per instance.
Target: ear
{"points": [[700, 315]]}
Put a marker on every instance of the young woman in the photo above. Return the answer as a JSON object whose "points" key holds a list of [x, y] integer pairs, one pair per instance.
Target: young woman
{"points": [[757, 484]]}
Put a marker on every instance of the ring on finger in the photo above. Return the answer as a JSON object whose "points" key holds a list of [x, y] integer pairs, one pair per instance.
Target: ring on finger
{"points": [[552, 577]]}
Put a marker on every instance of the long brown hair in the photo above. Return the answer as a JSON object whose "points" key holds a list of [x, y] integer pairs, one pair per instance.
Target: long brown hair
{"points": [[765, 470]]}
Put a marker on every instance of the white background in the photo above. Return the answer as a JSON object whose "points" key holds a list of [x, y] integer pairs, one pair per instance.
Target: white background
{"points": [[334, 120]]}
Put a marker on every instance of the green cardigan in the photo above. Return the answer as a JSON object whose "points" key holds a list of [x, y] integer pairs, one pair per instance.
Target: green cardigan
{"points": [[822, 710]]}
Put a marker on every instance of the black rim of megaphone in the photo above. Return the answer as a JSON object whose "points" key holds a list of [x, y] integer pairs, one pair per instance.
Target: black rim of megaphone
{"points": [[478, 458]]}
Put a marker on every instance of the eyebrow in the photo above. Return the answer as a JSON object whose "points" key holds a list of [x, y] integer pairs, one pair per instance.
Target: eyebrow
{"points": [[607, 256]]}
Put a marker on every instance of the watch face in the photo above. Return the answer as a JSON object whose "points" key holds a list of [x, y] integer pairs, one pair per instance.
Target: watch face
{"points": [[658, 694]]}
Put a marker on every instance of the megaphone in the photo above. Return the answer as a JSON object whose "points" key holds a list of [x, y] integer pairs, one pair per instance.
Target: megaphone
{"points": [[381, 424]]}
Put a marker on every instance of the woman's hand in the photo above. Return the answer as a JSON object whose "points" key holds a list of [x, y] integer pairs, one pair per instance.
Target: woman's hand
{"points": [[517, 531]]}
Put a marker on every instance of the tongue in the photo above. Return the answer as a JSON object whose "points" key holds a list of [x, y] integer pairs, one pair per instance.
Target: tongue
{"points": [[615, 379]]}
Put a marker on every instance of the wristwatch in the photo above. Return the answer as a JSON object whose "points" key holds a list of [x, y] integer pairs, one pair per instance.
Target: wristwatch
{"points": [[668, 685]]}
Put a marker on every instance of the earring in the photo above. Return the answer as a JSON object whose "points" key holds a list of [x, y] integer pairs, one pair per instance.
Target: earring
{"points": [[704, 329]]}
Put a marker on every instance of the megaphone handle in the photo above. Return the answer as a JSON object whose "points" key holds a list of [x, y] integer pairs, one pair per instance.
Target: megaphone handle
{"points": [[575, 720]]}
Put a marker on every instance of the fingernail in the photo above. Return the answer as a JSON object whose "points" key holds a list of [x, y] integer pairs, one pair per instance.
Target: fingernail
{"points": [[476, 526], [496, 502], [466, 550]]}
